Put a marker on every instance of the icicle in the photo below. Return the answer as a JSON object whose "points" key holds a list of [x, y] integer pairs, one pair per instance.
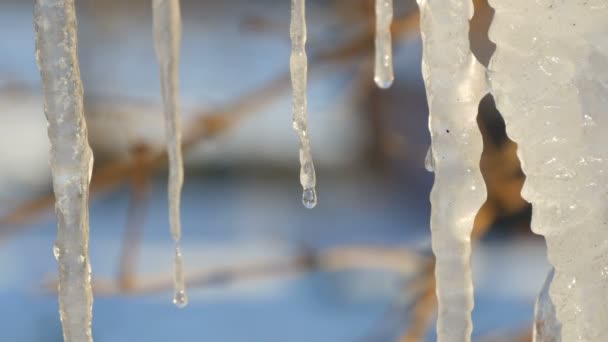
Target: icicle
{"points": [[71, 160], [167, 37], [455, 83], [549, 77], [546, 326], [383, 68], [299, 68]]}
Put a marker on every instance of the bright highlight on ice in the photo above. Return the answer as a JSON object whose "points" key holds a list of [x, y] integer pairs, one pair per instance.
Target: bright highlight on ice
{"points": [[71, 160], [167, 39]]}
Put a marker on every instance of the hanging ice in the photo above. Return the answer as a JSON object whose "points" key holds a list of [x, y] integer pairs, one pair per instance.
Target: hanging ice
{"points": [[299, 67], [167, 37], [546, 326], [549, 76], [71, 160], [383, 66], [455, 83]]}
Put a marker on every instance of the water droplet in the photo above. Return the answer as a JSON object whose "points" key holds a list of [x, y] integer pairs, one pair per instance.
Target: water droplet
{"points": [[383, 83], [429, 161], [180, 299], [56, 251], [309, 198]]}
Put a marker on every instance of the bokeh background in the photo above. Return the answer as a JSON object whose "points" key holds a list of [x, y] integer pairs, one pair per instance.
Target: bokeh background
{"points": [[260, 267]]}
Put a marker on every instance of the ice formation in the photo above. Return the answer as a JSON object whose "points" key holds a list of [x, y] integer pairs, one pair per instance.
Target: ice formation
{"points": [[549, 76], [299, 68], [167, 39], [383, 64], [455, 83], [71, 160], [546, 326]]}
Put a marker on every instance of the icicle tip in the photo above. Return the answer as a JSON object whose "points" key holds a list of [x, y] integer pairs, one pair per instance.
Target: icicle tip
{"points": [[309, 198]]}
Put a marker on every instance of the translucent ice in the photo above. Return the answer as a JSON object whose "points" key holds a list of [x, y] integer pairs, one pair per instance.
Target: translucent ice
{"points": [[549, 77], [299, 68], [455, 83], [167, 38], [71, 160]]}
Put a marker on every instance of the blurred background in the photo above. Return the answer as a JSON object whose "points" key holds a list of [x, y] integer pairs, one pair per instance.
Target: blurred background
{"points": [[259, 266]]}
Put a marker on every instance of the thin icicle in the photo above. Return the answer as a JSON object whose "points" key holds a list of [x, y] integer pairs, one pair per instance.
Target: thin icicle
{"points": [[546, 326], [455, 83], [299, 67], [383, 67], [167, 37], [71, 160]]}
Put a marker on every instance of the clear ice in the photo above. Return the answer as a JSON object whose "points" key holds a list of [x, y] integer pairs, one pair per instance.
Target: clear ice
{"points": [[299, 67], [455, 83], [549, 76], [383, 64], [167, 38], [71, 160], [546, 326]]}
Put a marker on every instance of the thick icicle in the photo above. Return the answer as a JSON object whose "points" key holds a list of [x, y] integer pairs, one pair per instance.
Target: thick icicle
{"points": [[383, 66], [455, 83], [299, 68], [549, 76], [71, 160], [167, 37]]}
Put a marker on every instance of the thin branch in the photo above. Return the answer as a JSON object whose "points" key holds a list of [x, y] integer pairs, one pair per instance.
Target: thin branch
{"points": [[397, 260], [138, 203], [424, 308]]}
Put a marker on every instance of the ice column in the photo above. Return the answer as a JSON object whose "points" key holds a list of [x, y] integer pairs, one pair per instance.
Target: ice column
{"points": [[167, 38], [455, 83], [71, 160], [299, 67], [549, 76], [383, 66]]}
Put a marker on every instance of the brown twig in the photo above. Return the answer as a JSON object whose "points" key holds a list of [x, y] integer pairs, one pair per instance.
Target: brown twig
{"points": [[423, 309], [396, 260], [138, 203]]}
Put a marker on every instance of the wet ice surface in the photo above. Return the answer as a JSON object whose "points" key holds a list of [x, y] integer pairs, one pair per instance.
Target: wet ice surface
{"points": [[227, 228], [298, 65], [455, 83], [70, 160]]}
